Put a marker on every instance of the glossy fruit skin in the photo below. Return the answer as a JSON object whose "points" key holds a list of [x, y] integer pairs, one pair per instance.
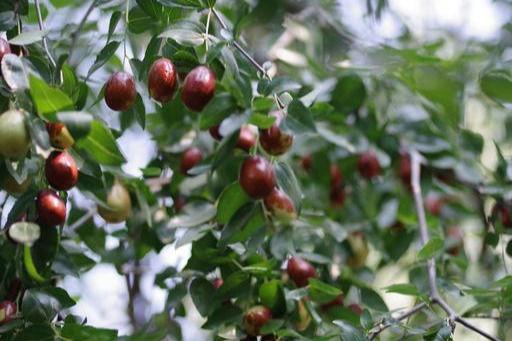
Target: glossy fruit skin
{"points": [[119, 202], [247, 138], [434, 205], [215, 132], [51, 209], [4, 48], [190, 158], [198, 88], [14, 135], [300, 271], [273, 140], [255, 318], [257, 177], [356, 308], [368, 165], [336, 176], [7, 311], [503, 212], [306, 162], [455, 238], [61, 171], [162, 80], [337, 302], [279, 204], [120, 91], [217, 283], [405, 170], [60, 137]]}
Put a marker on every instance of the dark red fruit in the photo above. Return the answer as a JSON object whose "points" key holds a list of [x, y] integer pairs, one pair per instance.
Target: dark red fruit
{"points": [[500, 210], [7, 311], [60, 137], [198, 88], [337, 196], [51, 209], [356, 308], [215, 132], [336, 176], [14, 289], [4, 48], [337, 302], [179, 203], [455, 240], [434, 204], [247, 138], [405, 170], [306, 162], [273, 140], [368, 165], [61, 171], [255, 318], [257, 177], [162, 80], [300, 271], [120, 91], [279, 204], [190, 158], [217, 283]]}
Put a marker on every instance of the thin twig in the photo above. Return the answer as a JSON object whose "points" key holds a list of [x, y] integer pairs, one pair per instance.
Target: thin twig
{"points": [[82, 220], [383, 326], [41, 27], [247, 55], [435, 297], [76, 33]]}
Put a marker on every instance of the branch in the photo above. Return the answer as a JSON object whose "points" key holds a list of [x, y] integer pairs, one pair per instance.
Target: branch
{"points": [[383, 326], [41, 27], [247, 55], [82, 220], [435, 297]]}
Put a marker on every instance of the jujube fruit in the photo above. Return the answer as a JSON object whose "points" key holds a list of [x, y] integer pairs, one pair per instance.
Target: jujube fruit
{"points": [[11, 186], [14, 135], [434, 204], [247, 137], [60, 137], [273, 140], [337, 302], [119, 204], [501, 210], [4, 48], [162, 80], [51, 209], [190, 158], [120, 91], [356, 309], [215, 132], [405, 170], [368, 165], [255, 318], [217, 283], [336, 176], [279, 204], [7, 311], [300, 271], [257, 177], [198, 88], [61, 171]]}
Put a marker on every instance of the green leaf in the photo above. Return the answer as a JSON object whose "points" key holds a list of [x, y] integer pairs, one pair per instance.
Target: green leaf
{"points": [[27, 37], [182, 3], [114, 20], [497, 84], [201, 292], [101, 145], [195, 216], [348, 94], [404, 289], [13, 72], [230, 314], [373, 300], [103, 56], [36, 332], [230, 200], [138, 111], [289, 184], [322, 292], [42, 304], [73, 331], [77, 122], [434, 245], [244, 223], [184, 36], [220, 107], [25, 232], [349, 332], [299, 118], [262, 121], [271, 295], [47, 99]]}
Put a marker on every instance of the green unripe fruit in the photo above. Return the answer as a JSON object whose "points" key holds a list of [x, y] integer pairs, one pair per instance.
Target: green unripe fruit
{"points": [[14, 135]]}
